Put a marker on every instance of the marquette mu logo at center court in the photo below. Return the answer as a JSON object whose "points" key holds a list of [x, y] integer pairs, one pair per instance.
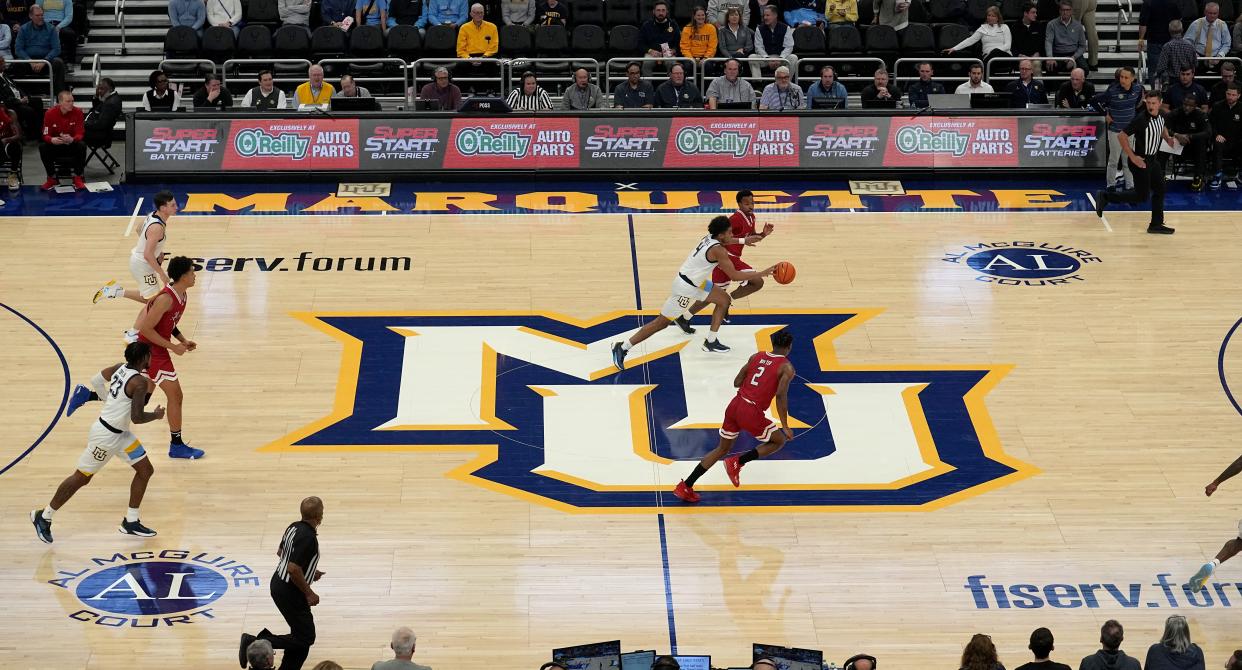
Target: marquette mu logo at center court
{"points": [[536, 397]]}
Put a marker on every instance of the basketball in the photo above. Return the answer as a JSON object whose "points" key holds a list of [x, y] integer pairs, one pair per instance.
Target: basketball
{"points": [[784, 272]]}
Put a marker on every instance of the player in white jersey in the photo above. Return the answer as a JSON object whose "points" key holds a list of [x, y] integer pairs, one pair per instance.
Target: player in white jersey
{"points": [[693, 283], [1232, 547], [110, 436], [146, 260]]}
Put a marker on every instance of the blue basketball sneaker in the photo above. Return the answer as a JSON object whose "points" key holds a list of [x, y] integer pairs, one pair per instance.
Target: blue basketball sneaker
{"points": [[1200, 578], [79, 397], [618, 356], [184, 451]]}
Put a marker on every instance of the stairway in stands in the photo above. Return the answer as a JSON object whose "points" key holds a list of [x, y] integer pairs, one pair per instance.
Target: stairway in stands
{"points": [[146, 22]]}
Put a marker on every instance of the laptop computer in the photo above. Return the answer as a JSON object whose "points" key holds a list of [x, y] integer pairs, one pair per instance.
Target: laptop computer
{"points": [[637, 660], [421, 105], [740, 104], [890, 103], [828, 103], [354, 105], [948, 101], [789, 658], [990, 100], [594, 656], [694, 662]]}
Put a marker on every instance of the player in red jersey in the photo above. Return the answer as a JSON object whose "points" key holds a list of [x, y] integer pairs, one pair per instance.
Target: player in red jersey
{"points": [[157, 325], [743, 230], [765, 376]]}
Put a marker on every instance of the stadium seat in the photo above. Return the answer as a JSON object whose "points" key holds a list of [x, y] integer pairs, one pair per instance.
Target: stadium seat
{"points": [[218, 44], [621, 13], [589, 42], [328, 42], [918, 40], [951, 34], [551, 42], [254, 42], [440, 42], [367, 42], [290, 42], [881, 42], [516, 42], [181, 42], [918, 12], [406, 43], [809, 42], [623, 42], [587, 12], [946, 11], [976, 11], [845, 42], [1011, 10], [262, 13], [683, 11], [645, 7]]}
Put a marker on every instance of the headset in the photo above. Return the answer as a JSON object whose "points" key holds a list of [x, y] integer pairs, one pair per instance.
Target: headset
{"points": [[665, 663], [849, 663]]}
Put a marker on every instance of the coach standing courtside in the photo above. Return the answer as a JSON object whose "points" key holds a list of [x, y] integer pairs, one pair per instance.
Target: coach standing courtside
{"points": [[1140, 142], [291, 588]]}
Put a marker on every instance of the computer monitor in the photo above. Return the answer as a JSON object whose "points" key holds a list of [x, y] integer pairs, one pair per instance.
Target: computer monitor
{"points": [[422, 105], [354, 105], [990, 100], [789, 658], [828, 103], [694, 662], [637, 660], [948, 101], [594, 656], [487, 105], [740, 104], [890, 103]]}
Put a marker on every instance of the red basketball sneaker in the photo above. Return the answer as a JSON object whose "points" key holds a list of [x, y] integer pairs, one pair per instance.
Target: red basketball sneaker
{"points": [[733, 469], [685, 492]]}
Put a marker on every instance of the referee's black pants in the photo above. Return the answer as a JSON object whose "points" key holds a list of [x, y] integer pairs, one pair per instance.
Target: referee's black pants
{"points": [[297, 613], [1148, 183]]}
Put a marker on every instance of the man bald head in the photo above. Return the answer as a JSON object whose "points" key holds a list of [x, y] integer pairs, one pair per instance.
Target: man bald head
{"points": [[312, 510]]}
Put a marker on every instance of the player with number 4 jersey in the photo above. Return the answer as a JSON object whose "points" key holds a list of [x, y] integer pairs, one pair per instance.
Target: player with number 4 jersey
{"points": [[766, 376]]}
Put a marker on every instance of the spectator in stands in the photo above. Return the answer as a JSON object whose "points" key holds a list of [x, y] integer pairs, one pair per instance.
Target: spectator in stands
{"points": [[918, 91], [735, 39], [658, 37], [782, 94], [225, 13], [294, 13], [403, 645], [1154, 18], [893, 13], [105, 110], [444, 13], [161, 97], [213, 94], [1178, 54], [351, 89], [517, 12], [1237, 36], [1041, 646], [634, 92], [552, 12], [29, 110], [265, 96], [698, 38], [1175, 651], [1110, 656], [881, 88], [529, 97], [314, 91], [836, 13], [1228, 75], [373, 13], [1210, 35], [11, 143], [1084, 13], [16, 13], [976, 83], [1184, 86], [1120, 102], [1077, 93], [442, 90], [477, 39], [1189, 125], [192, 13], [827, 87], [1226, 122], [6, 41], [37, 40], [718, 11], [334, 12], [59, 13], [1026, 89], [260, 655], [980, 654], [405, 12], [63, 131], [1065, 38], [583, 94], [997, 40], [730, 87], [774, 39], [1029, 34], [676, 92]]}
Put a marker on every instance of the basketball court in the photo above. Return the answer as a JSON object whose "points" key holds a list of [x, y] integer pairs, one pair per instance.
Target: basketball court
{"points": [[981, 445]]}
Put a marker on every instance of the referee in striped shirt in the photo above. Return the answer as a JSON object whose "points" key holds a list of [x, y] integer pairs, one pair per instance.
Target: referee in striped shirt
{"points": [[291, 588], [1140, 142]]}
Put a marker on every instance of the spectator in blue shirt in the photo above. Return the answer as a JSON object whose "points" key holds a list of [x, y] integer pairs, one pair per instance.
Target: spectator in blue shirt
{"points": [[373, 13], [191, 13], [59, 13], [444, 12], [37, 40], [1184, 86], [6, 41], [1120, 102], [827, 87]]}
